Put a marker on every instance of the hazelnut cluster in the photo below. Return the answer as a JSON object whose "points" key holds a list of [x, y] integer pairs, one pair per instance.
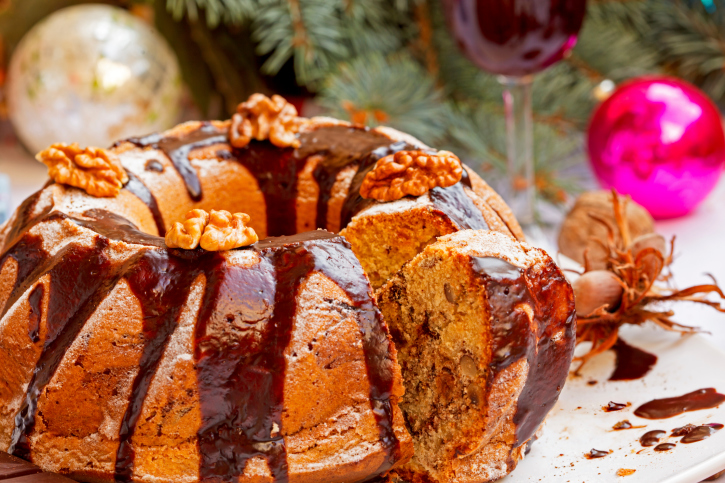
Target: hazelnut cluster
{"points": [[97, 171], [215, 231], [263, 118], [410, 173], [619, 282]]}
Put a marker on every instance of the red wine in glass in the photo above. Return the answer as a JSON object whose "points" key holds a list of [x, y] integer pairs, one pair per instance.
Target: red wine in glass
{"points": [[515, 39]]}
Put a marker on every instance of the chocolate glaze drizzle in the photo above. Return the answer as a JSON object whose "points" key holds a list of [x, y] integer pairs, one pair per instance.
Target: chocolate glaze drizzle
{"points": [[35, 300], [277, 170], [178, 148], [669, 407], [632, 363], [136, 187], [79, 280], [342, 146], [239, 348], [513, 339]]}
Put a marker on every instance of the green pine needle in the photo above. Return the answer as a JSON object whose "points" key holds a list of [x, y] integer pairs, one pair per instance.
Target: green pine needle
{"points": [[393, 90]]}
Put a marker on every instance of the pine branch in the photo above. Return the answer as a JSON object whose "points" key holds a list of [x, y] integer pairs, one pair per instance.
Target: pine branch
{"points": [[691, 42], [395, 91], [215, 11], [310, 31]]}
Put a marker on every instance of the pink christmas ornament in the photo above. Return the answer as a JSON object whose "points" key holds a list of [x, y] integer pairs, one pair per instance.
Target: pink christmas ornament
{"points": [[660, 140]]}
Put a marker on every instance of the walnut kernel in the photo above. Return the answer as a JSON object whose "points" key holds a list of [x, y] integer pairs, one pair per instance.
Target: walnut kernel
{"points": [[97, 171], [226, 231], [215, 231], [410, 173], [263, 118], [187, 235]]}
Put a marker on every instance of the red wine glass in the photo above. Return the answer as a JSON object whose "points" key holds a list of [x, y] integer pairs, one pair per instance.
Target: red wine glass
{"points": [[515, 39]]}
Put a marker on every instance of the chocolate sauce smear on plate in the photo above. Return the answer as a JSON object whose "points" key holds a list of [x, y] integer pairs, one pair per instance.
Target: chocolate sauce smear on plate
{"points": [[683, 430], [595, 453], [651, 438], [670, 407], [622, 425], [613, 406], [632, 363], [701, 432], [664, 447]]}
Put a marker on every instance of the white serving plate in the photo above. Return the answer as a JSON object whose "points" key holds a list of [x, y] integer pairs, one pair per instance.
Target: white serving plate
{"points": [[577, 423]]}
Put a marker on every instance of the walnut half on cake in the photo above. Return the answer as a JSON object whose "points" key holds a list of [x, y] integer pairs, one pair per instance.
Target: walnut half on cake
{"points": [[484, 328]]}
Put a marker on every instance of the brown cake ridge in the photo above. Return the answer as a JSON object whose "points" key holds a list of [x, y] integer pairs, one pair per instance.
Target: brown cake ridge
{"points": [[123, 359]]}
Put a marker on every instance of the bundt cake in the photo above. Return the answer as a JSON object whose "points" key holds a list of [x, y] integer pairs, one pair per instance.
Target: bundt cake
{"points": [[144, 339]]}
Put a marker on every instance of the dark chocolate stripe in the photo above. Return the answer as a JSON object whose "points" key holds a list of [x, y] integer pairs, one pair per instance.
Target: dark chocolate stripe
{"points": [[35, 300], [136, 187], [161, 280], [78, 283], [276, 171], [32, 261], [458, 207], [341, 146], [177, 149], [116, 227], [244, 349], [513, 338], [25, 219]]}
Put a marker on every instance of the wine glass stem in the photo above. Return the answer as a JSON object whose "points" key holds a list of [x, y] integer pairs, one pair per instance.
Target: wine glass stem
{"points": [[519, 146]]}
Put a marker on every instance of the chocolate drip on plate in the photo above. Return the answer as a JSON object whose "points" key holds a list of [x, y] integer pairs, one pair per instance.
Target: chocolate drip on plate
{"points": [[613, 406], [177, 149], [596, 453], [513, 339], [664, 447], [624, 424], [632, 363], [140, 190], [701, 432], [651, 438], [670, 407]]}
